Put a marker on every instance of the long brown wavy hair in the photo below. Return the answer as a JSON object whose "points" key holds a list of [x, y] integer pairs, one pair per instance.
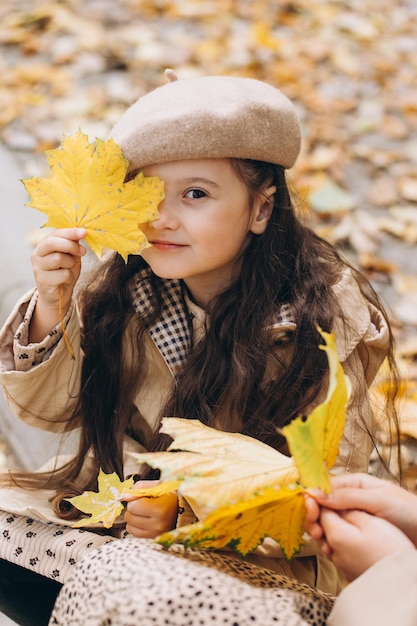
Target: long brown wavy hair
{"points": [[288, 263]]}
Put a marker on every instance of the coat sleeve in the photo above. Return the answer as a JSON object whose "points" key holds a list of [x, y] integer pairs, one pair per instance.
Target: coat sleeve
{"points": [[362, 338], [40, 382], [385, 594]]}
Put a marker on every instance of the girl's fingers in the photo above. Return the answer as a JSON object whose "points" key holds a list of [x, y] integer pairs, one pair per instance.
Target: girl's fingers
{"points": [[325, 548], [57, 277], [140, 484], [56, 244], [70, 233], [312, 519], [58, 261], [150, 517], [57, 258]]}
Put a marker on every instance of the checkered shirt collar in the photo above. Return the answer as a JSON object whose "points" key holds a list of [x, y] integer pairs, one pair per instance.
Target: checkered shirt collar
{"points": [[172, 333]]}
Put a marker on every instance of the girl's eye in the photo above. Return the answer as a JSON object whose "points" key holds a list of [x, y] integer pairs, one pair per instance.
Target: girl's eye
{"points": [[195, 193]]}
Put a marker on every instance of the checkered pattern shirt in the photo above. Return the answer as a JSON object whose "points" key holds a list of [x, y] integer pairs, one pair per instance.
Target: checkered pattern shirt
{"points": [[172, 332]]}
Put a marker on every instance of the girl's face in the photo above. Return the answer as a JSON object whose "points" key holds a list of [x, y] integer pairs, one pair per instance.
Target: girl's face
{"points": [[204, 224]]}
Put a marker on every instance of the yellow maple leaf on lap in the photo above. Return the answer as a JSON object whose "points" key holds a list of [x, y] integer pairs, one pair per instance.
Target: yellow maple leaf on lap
{"points": [[241, 489], [87, 190], [216, 468], [231, 518], [275, 512]]}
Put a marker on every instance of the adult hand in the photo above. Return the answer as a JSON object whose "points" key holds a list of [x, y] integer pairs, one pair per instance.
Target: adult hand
{"points": [[378, 497], [355, 540]]}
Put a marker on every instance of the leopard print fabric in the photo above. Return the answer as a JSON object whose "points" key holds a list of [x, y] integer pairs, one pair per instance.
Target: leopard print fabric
{"points": [[137, 582]]}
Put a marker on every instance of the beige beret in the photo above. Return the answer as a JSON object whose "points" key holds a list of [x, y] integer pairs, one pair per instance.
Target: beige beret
{"points": [[210, 117]]}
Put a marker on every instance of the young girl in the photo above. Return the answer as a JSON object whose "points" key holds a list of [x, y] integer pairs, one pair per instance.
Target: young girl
{"points": [[216, 320]]}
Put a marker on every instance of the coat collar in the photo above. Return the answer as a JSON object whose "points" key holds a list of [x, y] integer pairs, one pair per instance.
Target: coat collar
{"points": [[171, 333], [174, 331]]}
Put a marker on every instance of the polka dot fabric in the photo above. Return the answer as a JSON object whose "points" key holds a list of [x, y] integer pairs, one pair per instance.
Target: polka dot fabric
{"points": [[135, 581]]}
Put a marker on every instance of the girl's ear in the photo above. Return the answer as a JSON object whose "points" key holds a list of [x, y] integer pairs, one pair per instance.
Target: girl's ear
{"points": [[262, 210]]}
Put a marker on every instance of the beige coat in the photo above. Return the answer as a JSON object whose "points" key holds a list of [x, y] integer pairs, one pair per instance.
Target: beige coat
{"points": [[386, 594], [41, 381]]}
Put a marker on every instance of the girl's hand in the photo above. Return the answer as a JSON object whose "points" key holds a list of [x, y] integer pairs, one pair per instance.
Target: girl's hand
{"points": [[56, 264], [355, 540], [150, 517]]}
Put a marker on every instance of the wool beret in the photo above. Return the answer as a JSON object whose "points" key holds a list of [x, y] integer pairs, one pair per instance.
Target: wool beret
{"points": [[210, 117]]}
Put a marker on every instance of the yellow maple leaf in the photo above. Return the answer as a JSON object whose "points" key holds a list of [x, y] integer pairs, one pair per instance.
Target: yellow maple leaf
{"points": [[314, 442], [105, 505], [275, 512], [226, 478], [217, 491], [216, 468], [87, 190]]}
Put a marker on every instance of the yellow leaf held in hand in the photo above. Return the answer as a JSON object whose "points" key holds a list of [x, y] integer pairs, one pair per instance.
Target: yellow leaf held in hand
{"points": [[314, 442], [87, 190], [275, 512], [241, 489], [216, 468], [105, 505], [218, 489]]}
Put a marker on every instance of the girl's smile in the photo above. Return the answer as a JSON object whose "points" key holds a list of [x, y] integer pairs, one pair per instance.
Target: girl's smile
{"points": [[204, 225], [160, 244]]}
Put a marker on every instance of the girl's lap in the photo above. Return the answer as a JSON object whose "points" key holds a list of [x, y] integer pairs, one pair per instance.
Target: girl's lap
{"points": [[137, 581], [46, 549], [136, 578]]}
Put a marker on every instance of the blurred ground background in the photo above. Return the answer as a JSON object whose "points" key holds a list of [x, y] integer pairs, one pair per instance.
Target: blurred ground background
{"points": [[349, 67]]}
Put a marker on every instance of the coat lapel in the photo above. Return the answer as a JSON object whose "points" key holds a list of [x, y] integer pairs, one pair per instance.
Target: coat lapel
{"points": [[172, 331]]}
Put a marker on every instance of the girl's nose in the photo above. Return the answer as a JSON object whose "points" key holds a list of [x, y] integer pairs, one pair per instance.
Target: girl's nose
{"points": [[167, 216]]}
